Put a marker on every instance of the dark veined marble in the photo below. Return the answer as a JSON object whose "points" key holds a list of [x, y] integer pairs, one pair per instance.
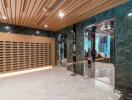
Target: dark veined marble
{"points": [[24, 30], [123, 42]]}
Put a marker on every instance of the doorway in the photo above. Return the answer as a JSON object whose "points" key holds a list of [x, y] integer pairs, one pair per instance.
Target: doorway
{"points": [[99, 40], [62, 49]]}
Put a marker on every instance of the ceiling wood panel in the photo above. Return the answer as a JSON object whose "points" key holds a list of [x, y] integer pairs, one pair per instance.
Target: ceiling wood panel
{"points": [[2, 8], [37, 13]]}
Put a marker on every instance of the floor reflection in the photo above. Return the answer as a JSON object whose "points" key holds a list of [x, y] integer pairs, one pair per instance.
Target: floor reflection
{"points": [[104, 72], [104, 86]]}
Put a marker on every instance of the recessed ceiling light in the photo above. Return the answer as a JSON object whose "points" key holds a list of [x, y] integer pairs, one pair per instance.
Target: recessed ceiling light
{"points": [[4, 17], [46, 26], [61, 14], [44, 9], [129, 14], [7, 27], [37, 32]]}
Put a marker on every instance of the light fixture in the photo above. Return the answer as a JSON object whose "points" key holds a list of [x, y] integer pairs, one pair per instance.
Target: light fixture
{"points": [[7, 27], [71, 31], [37, 32], [4, 17], [45, 26], [44, 9], [61, 14], [129, 14]]}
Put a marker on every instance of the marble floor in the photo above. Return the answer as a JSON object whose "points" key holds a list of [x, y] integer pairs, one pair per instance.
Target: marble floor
{"points": [[53, 84], [105, 72]]}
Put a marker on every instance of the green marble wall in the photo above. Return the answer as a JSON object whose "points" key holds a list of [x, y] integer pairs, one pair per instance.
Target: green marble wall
{"points": [[25, 30], [68, 31], [79, 48], [69, 45], [123, 42]]}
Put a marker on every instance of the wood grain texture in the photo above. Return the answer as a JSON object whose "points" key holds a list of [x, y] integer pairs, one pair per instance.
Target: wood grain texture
{"points": [[37, 13], [21, 52]]}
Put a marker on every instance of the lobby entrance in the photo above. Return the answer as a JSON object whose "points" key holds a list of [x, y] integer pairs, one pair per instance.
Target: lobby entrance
{"points": [[99, 51]]}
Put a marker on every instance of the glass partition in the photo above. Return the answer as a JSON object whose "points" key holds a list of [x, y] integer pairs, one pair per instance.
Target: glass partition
{"points": [[99, 48]]}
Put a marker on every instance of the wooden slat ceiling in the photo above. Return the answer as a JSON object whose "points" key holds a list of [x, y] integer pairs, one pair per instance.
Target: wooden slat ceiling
{"points": [[37, 13]]}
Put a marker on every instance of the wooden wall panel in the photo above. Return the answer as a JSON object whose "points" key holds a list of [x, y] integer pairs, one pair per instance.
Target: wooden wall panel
{"points": [[20, 52]]}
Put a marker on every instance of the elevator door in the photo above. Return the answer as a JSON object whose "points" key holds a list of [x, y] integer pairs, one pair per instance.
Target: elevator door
{"points": [[104, 68], [99, 40]]}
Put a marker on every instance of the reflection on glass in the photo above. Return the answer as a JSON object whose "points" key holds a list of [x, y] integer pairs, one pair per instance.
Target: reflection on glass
{"points": [[87, 43], [102, 46], [103, 43]]}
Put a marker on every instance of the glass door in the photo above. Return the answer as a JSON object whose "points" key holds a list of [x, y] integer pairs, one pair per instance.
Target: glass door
{"points": [[103, 65], [104, 46], [99, 46]]}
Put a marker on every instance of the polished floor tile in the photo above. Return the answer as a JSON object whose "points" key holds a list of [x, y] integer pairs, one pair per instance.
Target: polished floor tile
{"points": [[53, 84]]}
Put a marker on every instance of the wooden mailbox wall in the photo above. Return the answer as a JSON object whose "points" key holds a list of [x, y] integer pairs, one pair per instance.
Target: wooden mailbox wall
{"points": [[20, 52]]}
